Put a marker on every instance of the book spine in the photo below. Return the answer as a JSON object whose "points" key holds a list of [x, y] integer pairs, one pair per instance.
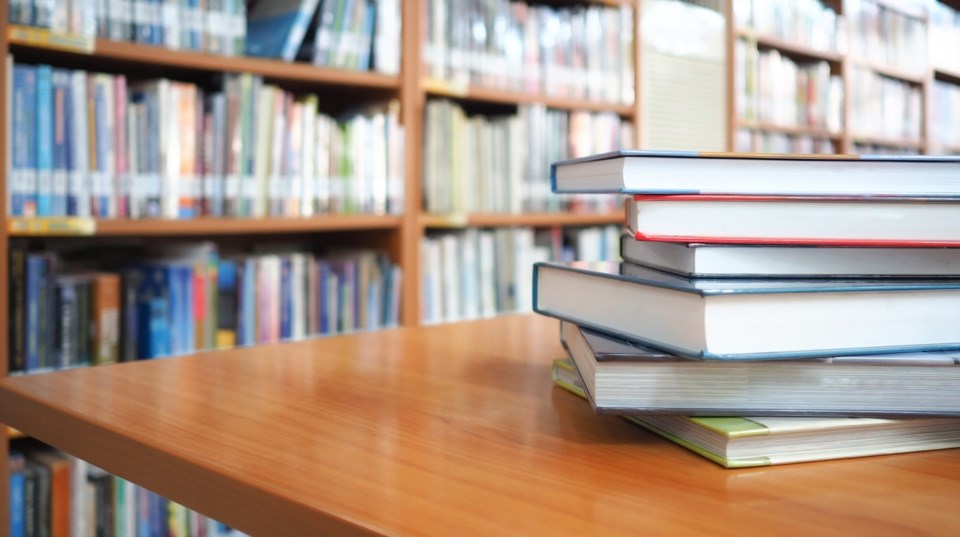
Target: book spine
{"points": [[17, 286], [105, 313], [17, 527], [60, 80], [44, 117], [67, 326]]}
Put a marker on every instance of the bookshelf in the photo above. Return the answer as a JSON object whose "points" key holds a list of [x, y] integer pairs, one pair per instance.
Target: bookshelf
{"points": [[846, 60], [399, 234]]}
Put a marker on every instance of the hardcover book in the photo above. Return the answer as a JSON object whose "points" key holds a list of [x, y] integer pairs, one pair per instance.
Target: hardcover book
{"points": [[683, 172], [792, 220], [735, 442], [703, 260], [627, 378], [751, 319]]}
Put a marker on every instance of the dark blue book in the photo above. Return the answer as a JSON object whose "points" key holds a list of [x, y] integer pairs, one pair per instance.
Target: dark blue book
{"points": [[44, 186], [61, 148], [23, 146], [15, 466], [153, 311], [34, 281], [751, 319], [276, 29]]}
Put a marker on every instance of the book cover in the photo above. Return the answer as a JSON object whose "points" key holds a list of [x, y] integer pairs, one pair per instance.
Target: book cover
{"points": [[627, 378], [741, 442], [748, 261], [779, 220], [684, 172], [15, 469], [42, 192], [276, 29], [105, 318], [751, 319]]}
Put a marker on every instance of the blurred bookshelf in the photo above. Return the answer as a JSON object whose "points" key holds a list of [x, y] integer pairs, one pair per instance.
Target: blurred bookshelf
{"points": [[892, 80]]}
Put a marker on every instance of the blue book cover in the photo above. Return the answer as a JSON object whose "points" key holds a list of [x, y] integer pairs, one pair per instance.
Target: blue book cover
{"points": [[370, 12], [286, 298], [751, 319], [154, 311], [249, 301], [34, 279], [44, 118], [187, 317], [276, 29], [17, 500], [100, 111], [61, 136], [24, 144], [323, 294]]}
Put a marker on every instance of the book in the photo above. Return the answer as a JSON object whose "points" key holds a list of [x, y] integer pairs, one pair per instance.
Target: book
{"points": [[621, 377], [684, 172], [702, 260], [791, 220], [276, 29], [751, 319], [735, 442]]}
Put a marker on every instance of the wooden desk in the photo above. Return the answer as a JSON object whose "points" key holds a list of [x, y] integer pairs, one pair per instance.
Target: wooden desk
{"points": [[450, 430]]}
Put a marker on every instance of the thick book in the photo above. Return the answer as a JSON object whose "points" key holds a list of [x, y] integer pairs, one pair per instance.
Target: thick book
{"points": [[682, 172], [794, 220], [627, 378], [743, 442], [751, 319], [708, 260]]}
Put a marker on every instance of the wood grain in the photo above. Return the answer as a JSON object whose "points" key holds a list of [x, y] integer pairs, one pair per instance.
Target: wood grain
{"points": [[446, 430]]}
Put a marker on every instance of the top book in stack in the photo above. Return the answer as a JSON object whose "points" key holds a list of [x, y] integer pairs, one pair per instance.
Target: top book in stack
{"points": [[680, 172]]}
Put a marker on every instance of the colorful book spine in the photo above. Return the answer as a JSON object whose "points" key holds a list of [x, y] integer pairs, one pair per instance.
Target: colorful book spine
{"points": [[42, 192]]}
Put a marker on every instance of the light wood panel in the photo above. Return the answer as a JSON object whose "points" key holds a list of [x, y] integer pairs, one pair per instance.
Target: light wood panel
{"points": [[436, 88], [138, 54], [447, 430], [528, 219]]}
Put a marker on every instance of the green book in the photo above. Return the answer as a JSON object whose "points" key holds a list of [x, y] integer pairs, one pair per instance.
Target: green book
{"points": [[735, 442]]}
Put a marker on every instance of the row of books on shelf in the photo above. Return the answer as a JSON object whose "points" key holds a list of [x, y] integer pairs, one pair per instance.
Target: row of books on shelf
{"points": [[345, 34], [53, 493], [888, 36], [777, 90], [861, 148], [500, 163], [144, 303], [805, 22], [92, 144], [944, 36], [216, 26], [884, 106], [579, 52], [788, 289], [480, 273], [759, 141], [945, 115]]}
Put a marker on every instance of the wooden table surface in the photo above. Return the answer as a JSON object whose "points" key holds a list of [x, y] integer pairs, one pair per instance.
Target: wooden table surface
{"points": [[448, 430]]}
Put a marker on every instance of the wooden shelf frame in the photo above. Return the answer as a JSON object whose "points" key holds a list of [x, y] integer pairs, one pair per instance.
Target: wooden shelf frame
{"points": [[200, 227], [789, 48], [275, 70], [540, 220], [436, 88]]}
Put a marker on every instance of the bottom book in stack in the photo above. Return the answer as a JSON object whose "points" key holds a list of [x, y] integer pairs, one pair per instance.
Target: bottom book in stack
{"points": [[743, 442]]}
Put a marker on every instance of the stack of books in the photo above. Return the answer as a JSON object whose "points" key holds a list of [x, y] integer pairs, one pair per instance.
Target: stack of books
{"points": [[769, 309]]}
